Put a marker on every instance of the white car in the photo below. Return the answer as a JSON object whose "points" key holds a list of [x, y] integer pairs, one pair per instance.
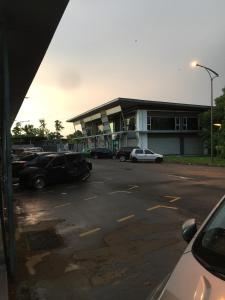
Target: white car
{"points": [[200, 273], [145, 155]]}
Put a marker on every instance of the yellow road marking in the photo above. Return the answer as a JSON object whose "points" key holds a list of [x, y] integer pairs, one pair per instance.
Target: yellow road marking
{"points": [[116, 192], [170, 207], [125, 218], [62, 205], [133, 187], [161, 206], [173, 199], [152, 208], [89, 232], [90, 198]]}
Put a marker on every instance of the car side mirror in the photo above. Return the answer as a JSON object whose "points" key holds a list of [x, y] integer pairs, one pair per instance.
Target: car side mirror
{"points": [[189, 228]]}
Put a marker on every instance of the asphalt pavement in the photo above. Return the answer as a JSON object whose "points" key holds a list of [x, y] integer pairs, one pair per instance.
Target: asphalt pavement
{"points": [[115, 236]]}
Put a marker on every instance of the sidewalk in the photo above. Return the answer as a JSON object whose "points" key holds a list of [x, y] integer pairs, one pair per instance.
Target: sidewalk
{"points": [[3, 272]]}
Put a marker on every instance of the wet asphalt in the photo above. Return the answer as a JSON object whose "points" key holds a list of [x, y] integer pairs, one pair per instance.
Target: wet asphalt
{"points": [[118, 233]]}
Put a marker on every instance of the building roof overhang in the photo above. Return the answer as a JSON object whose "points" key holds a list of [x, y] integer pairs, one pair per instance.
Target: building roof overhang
{"points": [[29, 26], [133, 104]]}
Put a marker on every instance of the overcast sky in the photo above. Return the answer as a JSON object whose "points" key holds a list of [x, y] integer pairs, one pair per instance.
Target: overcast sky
{"points": [[104, 49]]}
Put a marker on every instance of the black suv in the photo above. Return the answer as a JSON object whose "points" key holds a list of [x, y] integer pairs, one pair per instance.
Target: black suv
{"points": [[101, 153], [39, 169], [123, 153]]}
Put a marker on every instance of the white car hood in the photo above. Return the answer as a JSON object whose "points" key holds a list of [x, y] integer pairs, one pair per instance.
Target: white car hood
{"points": [[191, 281]]}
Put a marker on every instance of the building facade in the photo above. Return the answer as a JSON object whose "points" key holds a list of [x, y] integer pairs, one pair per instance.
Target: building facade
{"points": [[165, 127]]}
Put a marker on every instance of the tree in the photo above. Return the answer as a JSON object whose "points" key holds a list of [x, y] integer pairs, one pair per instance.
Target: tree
{"points": [[75, 137], [17, 130], [43, 131], [30, 130], [58, 128], [218, 131]]}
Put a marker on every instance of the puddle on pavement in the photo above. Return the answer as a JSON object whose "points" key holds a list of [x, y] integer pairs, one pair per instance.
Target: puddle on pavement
{"points": [[123, 251], [43, 240]]}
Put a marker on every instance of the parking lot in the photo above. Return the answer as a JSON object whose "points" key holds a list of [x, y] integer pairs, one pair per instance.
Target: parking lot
{"points": [[115, 236]]}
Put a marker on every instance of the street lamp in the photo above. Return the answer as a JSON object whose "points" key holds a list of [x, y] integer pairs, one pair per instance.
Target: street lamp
{"points": [[212, 75]]}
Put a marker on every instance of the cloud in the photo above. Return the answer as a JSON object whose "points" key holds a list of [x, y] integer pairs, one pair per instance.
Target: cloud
{"points": [[68, 78]]}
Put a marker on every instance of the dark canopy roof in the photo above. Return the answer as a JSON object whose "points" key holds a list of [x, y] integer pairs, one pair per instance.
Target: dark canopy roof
{"points": [[30, 26], [127, 103]]}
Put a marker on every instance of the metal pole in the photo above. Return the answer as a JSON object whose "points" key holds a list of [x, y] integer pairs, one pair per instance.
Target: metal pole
{"points": [[210, 72], [6, 146], [2, 203], [211, 81]]}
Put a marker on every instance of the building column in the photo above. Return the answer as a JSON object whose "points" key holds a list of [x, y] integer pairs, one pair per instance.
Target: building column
{"points": [[142, 139], [181, 145]]}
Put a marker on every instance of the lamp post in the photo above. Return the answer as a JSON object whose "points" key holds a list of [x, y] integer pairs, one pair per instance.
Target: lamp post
{"points": [[212, 75]]}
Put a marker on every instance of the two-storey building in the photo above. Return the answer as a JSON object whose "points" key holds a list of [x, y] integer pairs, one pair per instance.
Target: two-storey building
{"points": [[165, 127]]}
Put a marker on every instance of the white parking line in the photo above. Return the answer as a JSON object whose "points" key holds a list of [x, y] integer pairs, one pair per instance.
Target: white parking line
{"points": [[125, 218]]}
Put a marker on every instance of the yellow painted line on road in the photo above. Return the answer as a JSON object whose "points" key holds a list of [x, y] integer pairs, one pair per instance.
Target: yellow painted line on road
{"points": [[125, 218], [90, 198], [173, 198], [116, 192], [153, 207], [170, 207], [161, 206], [89, 232], [62, 205], [133, 187]]}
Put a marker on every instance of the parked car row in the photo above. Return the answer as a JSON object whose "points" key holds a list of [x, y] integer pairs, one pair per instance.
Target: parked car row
{"points": [[134, 154], [98, 153], [40, 169]]}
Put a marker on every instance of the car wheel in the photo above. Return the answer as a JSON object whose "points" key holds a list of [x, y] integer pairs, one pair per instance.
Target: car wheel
{"points": [[38, 182], [158, 160], [134, 159], [122, 158]]}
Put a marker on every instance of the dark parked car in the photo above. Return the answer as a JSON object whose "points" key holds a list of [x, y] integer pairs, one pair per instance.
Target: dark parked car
{"points": [[100, 153], [123, 153], [40, 169]]}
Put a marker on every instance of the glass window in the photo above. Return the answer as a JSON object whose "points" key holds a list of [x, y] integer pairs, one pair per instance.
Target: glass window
{"points": [[148, 121], [161, 123], [184, 126], [148, 152], [131, 123], [177, 123], [40, 161], [139, 151], [28, 157], [190, 123], [209, 247], [58, 161]]}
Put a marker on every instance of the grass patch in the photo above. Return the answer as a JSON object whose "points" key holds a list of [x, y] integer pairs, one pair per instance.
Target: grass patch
{"points": [[195, 160]]}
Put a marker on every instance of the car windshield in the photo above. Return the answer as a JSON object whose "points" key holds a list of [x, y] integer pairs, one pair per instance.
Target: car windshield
{"points": [[209, 247]]}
